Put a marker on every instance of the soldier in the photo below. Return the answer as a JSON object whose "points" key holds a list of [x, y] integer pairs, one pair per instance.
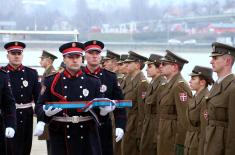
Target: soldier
{"points": [[148, 143], [7, 111], [220, 131], [135, 90], [71, 131], [41, 129], [25, 87], [111, 90], [173, 103], [110, 61], [201, 78]]}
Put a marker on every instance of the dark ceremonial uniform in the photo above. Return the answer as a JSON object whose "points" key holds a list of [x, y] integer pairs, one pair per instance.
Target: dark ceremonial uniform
{"points": [[7, 109]]}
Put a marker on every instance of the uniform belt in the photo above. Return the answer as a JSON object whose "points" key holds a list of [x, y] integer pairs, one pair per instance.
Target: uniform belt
{"points": [[167, 116], [218, 123], [73, 119], [23, 106]]}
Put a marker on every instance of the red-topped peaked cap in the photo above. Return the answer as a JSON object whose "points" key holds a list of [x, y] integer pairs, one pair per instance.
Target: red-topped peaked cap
{"points": [[93, 45], [72, 48], [15, 46]]}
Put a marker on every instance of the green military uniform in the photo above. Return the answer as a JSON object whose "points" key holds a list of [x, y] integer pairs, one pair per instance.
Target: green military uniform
{"points": [[220, 131], [148, 143], [195, 114], [173, 103], [135, 90]]}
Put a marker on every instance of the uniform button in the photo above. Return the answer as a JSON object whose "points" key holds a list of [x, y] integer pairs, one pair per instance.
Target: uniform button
{"points": [[8, 71], [22, 70], [80, 86], [22, 78], [21, 112], [21, 121], [82, 77], [21, 95], [81, 137], [81, 126], [21, 87], [100, 73], [65, 87], [65, 96], [68, 137], [67, 126], [80, 96], [64, 78]]}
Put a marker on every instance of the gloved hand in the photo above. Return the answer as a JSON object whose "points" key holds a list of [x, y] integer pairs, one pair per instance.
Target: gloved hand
{"points": [[106, 109], [9, 132], [50, 112], [38, 131], [119, 134]]}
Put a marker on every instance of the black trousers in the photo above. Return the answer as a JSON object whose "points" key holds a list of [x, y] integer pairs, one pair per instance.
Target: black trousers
{"points": [[22, 142], [74, 138]]}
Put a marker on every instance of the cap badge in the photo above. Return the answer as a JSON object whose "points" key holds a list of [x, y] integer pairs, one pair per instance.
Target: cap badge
{"points": [[73, 44], [16, 43], [94, 42]]}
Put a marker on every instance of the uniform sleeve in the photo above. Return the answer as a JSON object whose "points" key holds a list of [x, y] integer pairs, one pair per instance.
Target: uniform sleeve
{"points": [[141, 94], [230, 149], [119, 113], [8, 102], [183, 96], [43, 97], [37, 87]]}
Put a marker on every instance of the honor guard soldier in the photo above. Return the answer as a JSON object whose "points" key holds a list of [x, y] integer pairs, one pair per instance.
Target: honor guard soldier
{"points": [[201, 78], [111, 89], [220, 131], [41, 128], [25, 87], [148, 143], [71, 131], [174, 100], [7, 111], [110, 61], [135, 90]]}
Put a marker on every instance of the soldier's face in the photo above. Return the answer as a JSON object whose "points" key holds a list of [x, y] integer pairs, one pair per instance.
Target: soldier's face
{"points": [[73, 62], [109, 65], [43, 62], [218, 63], [194, 83], [15, 57], [166, 68], [122, 68], [132, 67], [93, 58], [152, 70]]}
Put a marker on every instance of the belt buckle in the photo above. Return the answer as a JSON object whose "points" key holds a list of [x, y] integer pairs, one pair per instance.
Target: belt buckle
{"points": [[75, 119]]}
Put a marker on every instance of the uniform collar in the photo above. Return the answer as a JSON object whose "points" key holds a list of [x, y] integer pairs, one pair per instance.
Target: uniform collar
{"points": [[97, 71], [11, 68], [68, 75]]}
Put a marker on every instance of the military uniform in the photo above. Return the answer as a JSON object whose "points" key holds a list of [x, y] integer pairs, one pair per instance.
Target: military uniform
{"points": [[196, 123], [71, 131], [7, 111], [173, 103], [221, 117], [111, 90], [25, 89], [135, 90], [148, 143]]}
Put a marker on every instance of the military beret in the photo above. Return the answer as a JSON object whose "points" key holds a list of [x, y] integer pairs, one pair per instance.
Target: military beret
{"points": [[72, 48], [219, 49], [154, 58], [123, 57], [93, 45], [46, 54], [15, 45], [204, 72], [111, 55], [132, 57], [173, 58]]}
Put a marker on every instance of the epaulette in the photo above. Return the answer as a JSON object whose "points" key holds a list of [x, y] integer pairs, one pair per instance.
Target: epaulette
{"points": [[2, 69], [94, 76], [109, 71], [52, 74], [181, 81]]}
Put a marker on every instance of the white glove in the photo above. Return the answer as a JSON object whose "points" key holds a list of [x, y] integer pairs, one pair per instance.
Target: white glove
{"points": [[106, 109], [10, 132], [50, 112], [119, 134], [38, 131]]}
